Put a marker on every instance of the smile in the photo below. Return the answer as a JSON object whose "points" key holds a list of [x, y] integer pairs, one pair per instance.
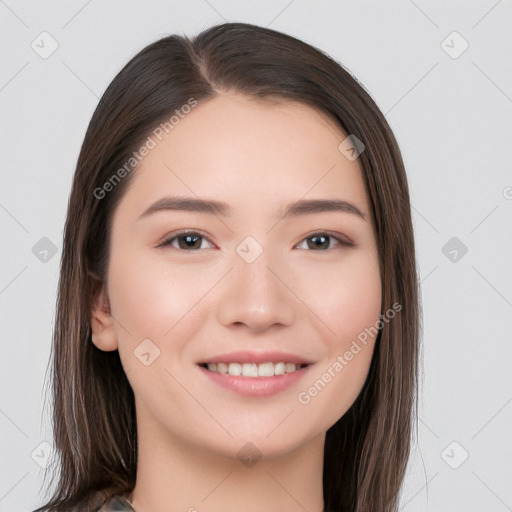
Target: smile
{"points": [[253, 369]]}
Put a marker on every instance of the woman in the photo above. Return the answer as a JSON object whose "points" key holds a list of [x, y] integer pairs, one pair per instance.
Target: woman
{"points": [[238, 310]]}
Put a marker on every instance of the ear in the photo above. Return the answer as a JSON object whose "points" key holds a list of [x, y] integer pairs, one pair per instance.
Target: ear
{"points": [[102, 325]]}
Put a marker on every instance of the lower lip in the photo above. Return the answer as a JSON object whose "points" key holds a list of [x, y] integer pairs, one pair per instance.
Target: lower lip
{"points": [[256, 386]]}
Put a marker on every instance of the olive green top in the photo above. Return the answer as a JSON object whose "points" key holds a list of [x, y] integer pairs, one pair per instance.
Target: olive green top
{"points": [[117, 503]]}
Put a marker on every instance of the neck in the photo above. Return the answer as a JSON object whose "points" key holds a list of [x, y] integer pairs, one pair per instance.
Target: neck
{"points": [[173, 475]]}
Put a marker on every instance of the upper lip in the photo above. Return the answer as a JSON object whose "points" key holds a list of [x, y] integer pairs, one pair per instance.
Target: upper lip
{"points": [[273, 356]]}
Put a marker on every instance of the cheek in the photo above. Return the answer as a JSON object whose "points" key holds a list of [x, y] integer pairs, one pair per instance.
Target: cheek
{"points": [[346, 297], [159, 301], [141, 301], [349, 306], [150, 296], [153, 301]]}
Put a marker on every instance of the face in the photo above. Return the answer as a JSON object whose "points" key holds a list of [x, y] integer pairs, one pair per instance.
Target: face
{"points": [[250, 281]]}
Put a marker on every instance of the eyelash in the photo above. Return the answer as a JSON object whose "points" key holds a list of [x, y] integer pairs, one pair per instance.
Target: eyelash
{"points": [[167, 241]]}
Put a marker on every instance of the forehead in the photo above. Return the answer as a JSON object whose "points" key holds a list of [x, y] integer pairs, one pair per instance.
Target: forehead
{"points": [[244, 149]]}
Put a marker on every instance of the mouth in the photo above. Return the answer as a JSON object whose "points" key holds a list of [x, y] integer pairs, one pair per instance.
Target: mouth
{"points": [[267, 369], [254, 379]]}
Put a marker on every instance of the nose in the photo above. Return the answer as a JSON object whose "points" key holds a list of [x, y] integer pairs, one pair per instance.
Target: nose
{"points": [[256, 295]]}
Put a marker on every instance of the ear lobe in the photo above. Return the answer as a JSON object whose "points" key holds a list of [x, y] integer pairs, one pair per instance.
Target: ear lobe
{"points": [[103, 333]]}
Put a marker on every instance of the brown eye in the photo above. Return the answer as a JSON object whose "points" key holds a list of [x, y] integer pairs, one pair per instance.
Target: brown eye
{"points": [[322, 241], [187, 240]]}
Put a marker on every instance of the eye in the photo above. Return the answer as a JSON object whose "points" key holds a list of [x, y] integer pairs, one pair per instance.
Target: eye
{"points": [[321, 240], [191, 240], [186, 240]]}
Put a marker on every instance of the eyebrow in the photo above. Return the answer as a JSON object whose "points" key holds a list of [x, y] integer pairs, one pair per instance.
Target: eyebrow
{"points": [[213, 207]]}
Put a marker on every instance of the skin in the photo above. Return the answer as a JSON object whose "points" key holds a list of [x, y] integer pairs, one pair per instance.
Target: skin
{"points": [[257, 156]]}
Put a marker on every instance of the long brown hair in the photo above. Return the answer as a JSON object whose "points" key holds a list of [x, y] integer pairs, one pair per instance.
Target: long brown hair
{"points": [[94, 423]]}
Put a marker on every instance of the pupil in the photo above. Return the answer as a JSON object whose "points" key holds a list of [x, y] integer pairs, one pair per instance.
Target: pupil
{"points": [[324, 238], [189, 239]]}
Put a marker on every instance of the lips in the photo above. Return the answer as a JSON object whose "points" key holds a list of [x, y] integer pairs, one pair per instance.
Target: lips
{"points": [[256, 357], [261, 386], [236, 371]]}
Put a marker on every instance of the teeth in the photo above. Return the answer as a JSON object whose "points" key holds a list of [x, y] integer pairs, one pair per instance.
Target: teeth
{"points": [[266, 370], [249, 370], [279, 369], [253, 369], [235, 369], [289, 367]]}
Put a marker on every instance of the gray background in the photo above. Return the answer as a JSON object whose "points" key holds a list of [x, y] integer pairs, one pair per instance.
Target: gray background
{"points": [[451, 112]]}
